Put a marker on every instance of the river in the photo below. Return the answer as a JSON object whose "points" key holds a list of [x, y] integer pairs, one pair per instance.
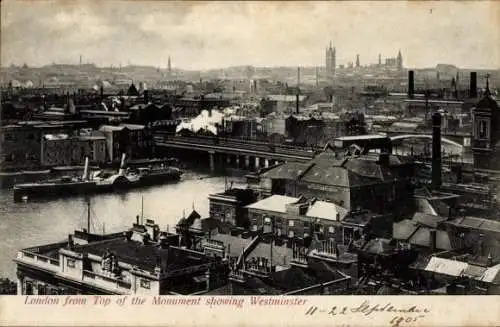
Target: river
{"points": [[40, 222]]}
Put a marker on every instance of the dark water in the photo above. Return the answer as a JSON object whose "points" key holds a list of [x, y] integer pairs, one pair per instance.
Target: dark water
{"points": [[35, 223]]}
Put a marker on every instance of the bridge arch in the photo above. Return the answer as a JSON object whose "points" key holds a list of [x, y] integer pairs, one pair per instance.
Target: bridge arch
{"points": [[419, 136]]}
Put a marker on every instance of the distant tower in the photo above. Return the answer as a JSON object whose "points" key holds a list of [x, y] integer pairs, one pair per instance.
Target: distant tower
{"points": [[169, 66], [330, 60], [317, 77], [400, 60], [357, 61], [379, 59], [486, 134], [80, 60]]}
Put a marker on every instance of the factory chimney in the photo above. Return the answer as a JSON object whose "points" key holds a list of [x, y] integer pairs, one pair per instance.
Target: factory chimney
{"points": [[411, 85], [473, 85], [436, 150]]}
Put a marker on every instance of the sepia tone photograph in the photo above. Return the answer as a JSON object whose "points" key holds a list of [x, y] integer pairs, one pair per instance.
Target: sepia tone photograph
{"points": [[265, 149]]}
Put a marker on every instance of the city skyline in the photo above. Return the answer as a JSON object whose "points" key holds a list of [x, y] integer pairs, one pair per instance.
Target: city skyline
{"points": [[201, 36]]}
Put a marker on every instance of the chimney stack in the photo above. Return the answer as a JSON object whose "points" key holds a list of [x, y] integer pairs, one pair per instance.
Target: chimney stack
{"points": [[146, 96], [473, 85], [71, 243], [432, 242], [411, 84], [436, 150]]}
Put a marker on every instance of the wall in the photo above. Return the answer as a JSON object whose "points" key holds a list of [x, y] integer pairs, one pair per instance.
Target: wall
{"points": [[20, 147], [225, 212]]}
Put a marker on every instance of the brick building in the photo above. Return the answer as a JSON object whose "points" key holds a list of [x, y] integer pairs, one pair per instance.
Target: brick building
{"points": [[131, 139], [21, 143], [64, 149]]}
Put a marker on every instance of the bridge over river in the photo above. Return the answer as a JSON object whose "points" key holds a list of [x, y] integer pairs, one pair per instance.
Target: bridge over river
{"points": [[242, 153]]}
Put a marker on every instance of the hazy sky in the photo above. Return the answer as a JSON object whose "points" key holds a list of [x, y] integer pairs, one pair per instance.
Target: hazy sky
{"points": [[201, 35]]}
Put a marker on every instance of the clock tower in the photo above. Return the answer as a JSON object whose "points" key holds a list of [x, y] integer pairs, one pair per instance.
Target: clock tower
{"points": [[486, 131]]}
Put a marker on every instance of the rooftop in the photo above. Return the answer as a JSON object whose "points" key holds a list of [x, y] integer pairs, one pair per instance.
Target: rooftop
{"points": [[235, 245], [477, 223], [144, 256], [275, 203], [326, 210]]}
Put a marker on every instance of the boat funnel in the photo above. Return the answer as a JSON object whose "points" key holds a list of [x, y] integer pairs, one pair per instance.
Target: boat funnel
{"points": [[122, 166], [86, 169]]}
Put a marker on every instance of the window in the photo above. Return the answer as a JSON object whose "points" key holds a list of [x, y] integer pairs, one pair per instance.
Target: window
{"points": [[29, 288], [42, 289], [145, 283], [482, 129], [290, 233], [291, 223], [331, 229], [70, 263]]}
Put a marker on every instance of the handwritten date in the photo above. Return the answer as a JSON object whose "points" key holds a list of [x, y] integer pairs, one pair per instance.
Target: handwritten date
{"points": [[403, 315]]}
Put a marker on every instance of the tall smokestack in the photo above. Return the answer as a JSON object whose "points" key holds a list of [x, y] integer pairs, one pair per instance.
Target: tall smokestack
{"points": [[121, 172], [473, 85], [86, 169], [411, 84], [436, 150], [297, 103]]}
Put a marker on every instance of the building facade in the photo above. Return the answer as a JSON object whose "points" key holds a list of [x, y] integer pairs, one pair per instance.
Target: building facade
{"points": [[142, 261]]}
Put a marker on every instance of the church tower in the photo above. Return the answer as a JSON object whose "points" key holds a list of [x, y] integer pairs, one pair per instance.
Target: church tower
{"points": [[169, 66], [486, 133], [400, 60]]}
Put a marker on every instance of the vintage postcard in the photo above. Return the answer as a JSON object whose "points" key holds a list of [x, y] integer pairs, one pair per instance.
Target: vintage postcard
{"points": [[250, 163]]}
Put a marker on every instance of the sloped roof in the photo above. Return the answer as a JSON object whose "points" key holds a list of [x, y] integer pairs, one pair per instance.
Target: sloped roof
{"points": [[427, 219], [491, 275], [326, 210], [404, 229], [446, 266], [378, 246], [477, 223], [422, 237], [289, 171], [276, 203]]}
